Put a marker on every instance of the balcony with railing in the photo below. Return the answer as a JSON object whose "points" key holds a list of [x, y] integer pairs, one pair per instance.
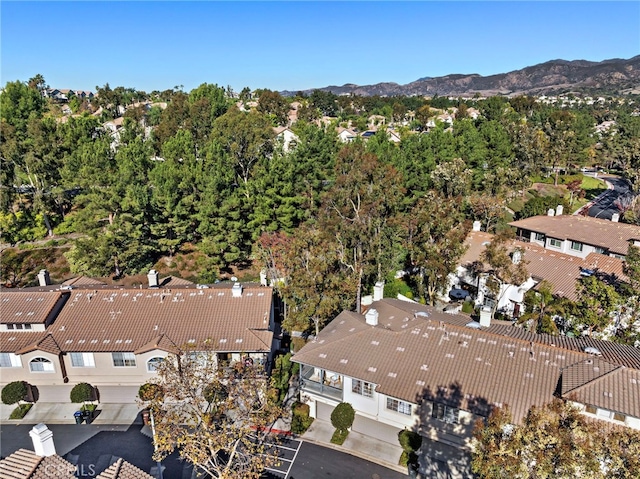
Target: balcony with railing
{"points": [[322, 382]]}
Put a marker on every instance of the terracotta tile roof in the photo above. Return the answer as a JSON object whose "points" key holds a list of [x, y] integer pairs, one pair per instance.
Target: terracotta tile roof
{"points": [[27, 307], [561, 270], [410, 356], [47, 344], [24, 464], [615, 353], [12, 341], [161, 342], [121, 469], [105, 320], [83, 281], [172, 281], [612, 388], [607, 234]]}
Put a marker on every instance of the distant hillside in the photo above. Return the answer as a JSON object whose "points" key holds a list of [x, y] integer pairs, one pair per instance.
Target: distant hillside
{"points": [[552, 77]]}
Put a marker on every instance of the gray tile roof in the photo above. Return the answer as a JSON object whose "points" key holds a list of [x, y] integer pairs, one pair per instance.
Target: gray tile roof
{"points": [[416, 352]]}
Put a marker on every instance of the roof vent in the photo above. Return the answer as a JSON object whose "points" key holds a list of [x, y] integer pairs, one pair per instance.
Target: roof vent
{"points": [[371, 317], [592, 350], [236, 290]]}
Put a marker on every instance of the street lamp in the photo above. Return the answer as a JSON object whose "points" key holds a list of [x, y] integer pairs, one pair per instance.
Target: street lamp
{"points": [[155, 444]]}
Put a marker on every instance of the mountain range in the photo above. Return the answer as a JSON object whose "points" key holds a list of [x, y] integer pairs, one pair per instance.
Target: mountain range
{"points": [[615, 76]]}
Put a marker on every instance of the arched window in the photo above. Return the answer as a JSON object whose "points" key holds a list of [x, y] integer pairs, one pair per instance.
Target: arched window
{"points": [[152, 364], [41, 365]]}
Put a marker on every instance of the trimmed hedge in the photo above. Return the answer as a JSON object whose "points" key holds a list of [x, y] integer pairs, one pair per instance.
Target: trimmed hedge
{"points": [[14, 392], [301, 421], [21, 411], [81, 392], [339, 437], [410, 442], [342, 416]]}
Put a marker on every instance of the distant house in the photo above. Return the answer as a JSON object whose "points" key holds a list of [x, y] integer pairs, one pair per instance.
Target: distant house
{"points": [[375, 121], [578, 235], [405, 365], [562, 271], [288, 138], [346, 135]]}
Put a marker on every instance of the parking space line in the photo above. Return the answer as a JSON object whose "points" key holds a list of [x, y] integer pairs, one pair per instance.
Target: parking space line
{"points": [[293, 460]]}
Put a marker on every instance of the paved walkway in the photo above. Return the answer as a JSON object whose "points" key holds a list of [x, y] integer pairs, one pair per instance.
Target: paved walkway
{"points": [[356, 444], [62, 413]]}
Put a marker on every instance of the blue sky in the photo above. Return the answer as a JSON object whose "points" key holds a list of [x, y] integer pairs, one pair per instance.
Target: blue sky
{"points": [[297, 45]]}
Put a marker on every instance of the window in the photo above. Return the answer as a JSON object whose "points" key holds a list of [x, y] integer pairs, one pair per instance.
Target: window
{"points": [[123, 359], [362, 387], [399, 406], [591, 409], [152, 364], [555, 243], [18, 326], [600, 250], [82, 360], [539, 237], [10, 360], [576, 246], [619, 417], [445, 413], [41, 365]]}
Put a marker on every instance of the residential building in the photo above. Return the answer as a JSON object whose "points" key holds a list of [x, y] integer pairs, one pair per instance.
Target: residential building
{"points": [[578, 235], [288, 138], [54, 337], [406, 365], [561, 270]]}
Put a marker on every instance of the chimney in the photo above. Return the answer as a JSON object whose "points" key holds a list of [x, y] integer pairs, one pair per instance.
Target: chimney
{"points": [[263, 278], [516, 257], [485, 317], [42, 438], [371, 317], [550, 212], [615, 217], [378, 291], [43, 278], [476, 225], [236, 290], [153, 279], [559, 210]]}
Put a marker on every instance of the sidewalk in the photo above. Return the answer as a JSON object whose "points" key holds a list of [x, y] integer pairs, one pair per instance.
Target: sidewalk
{"points": [[62, 413], [356, 444]]}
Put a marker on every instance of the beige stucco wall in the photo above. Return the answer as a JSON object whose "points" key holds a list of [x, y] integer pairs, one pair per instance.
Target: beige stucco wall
{"points": [[23, 373], [105, 373]]}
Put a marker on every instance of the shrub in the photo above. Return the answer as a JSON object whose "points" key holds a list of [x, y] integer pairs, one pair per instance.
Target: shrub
{"points": [[410, 442], [467, 307], [301, 420], [14, 392], [342, 416], [88, 407], [21, 411], [150, 391], [81, 392], [339, 437]]}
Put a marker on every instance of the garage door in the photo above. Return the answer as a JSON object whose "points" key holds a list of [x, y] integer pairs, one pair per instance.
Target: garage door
{"points": [[118, 394], [323, 411], [54, 393], [376, 429]]}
